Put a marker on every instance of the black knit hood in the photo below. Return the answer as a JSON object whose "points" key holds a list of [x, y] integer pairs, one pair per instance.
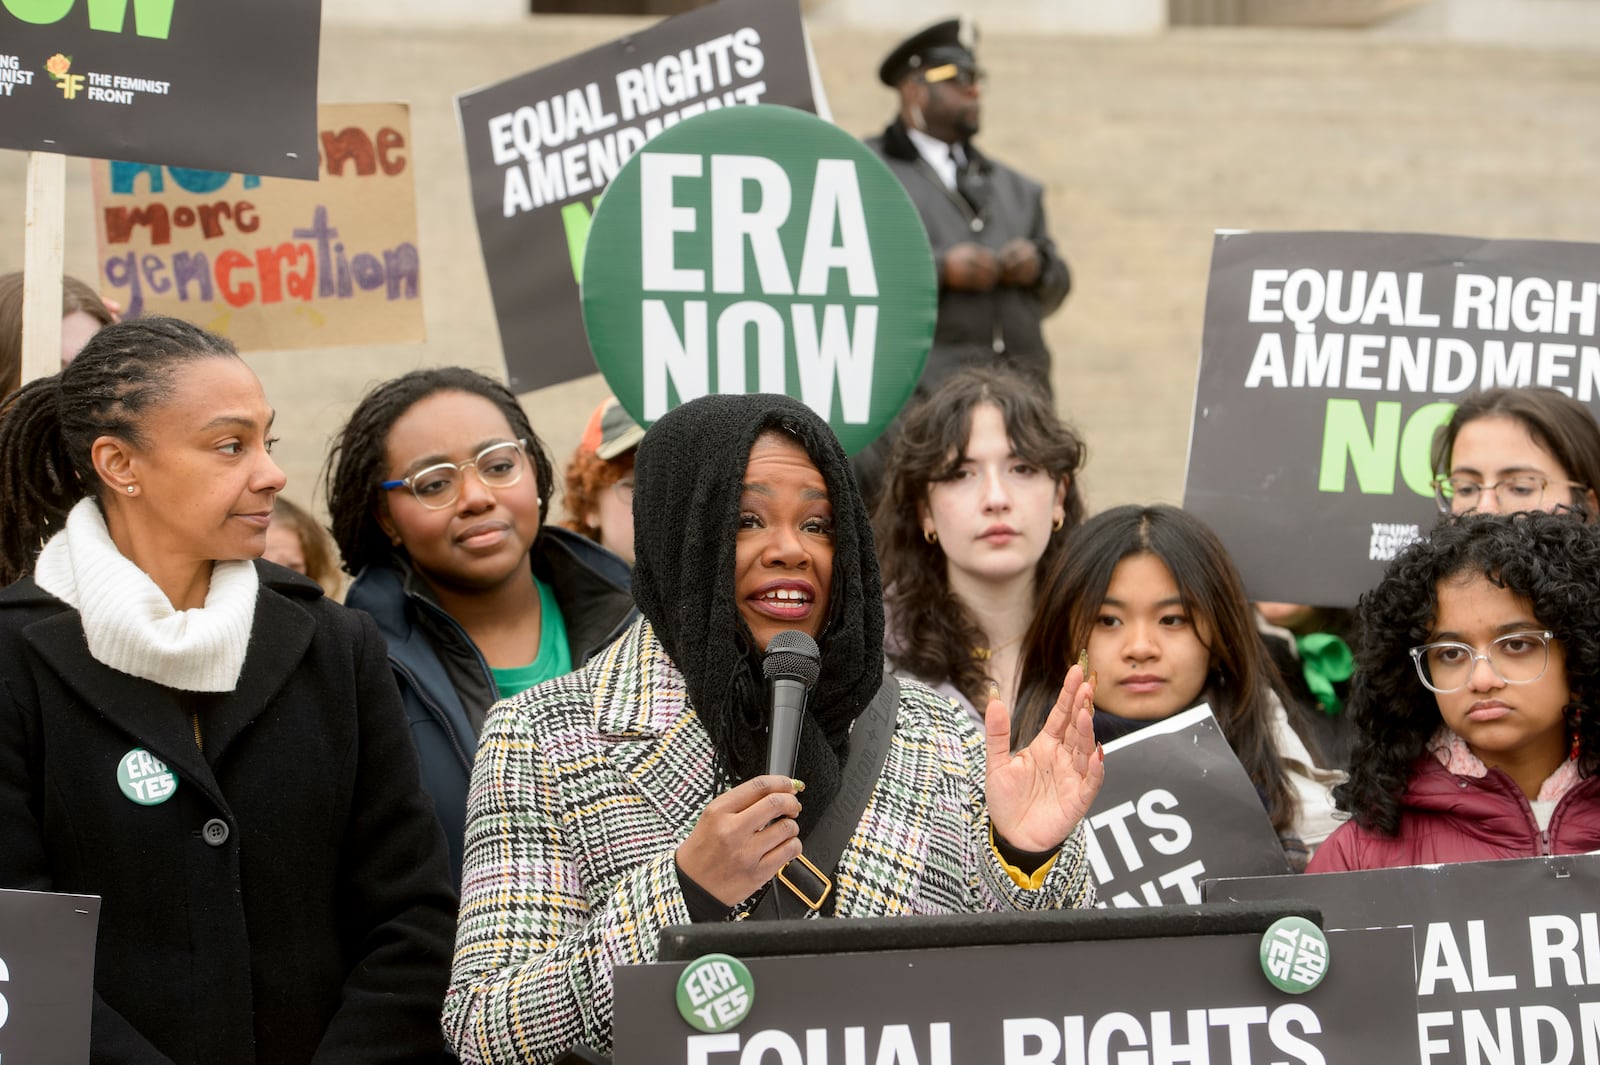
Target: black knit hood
{"points": [[690, 477]]}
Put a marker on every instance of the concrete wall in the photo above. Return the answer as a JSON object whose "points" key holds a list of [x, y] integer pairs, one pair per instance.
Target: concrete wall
{"points": [[1145, 145], [1545, 23], [999, 16]]}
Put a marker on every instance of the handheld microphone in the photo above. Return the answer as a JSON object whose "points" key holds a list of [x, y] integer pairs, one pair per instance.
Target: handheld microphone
{"points": [[791, 667]]}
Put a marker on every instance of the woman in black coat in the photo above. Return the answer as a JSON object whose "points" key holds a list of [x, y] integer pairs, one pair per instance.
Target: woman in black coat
{"points": [[202, 740]]}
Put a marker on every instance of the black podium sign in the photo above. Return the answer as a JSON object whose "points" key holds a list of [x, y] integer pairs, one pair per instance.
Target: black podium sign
{"points": [[1193, 998], [46, 976], [1508, 953]]}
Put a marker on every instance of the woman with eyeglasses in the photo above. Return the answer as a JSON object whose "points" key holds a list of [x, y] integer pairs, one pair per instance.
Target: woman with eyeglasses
{"points": [[1480, 650], [438, 489], [1513, 449]]}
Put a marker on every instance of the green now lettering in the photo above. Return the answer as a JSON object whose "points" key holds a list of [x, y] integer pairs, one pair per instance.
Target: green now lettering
{"points": [[1377, 455], [152, 18], [575, 217]]}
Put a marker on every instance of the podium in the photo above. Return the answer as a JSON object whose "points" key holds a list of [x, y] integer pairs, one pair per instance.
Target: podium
{"points": [[46, 976], [1095, 987]]}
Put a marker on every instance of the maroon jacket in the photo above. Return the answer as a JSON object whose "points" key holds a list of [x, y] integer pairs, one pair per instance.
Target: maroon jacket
{"points": [[1450, 818]]}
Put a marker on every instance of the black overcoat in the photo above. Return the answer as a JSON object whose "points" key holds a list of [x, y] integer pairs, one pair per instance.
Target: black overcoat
{"points": [[1005, 324], [289, 902]]}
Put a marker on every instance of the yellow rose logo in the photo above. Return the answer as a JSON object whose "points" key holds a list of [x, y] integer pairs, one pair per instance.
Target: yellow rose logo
{"points": [[57, 65]]}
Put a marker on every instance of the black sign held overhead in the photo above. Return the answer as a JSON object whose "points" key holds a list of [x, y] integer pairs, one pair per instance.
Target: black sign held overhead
{"points": [[1507, 953], [542, 147], [1176, 808], [206, 84], [1327, 364], [46, 976]]}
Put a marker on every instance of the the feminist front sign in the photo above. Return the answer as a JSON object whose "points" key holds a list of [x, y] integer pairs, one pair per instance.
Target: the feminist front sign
{"points": [[212, 84]]}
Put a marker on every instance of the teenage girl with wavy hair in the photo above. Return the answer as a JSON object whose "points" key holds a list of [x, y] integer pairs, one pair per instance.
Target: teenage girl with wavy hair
{"points": [[979, 492]]}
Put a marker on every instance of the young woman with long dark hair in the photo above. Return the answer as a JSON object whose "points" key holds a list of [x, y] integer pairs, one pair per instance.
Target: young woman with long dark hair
{"points": [[1151, 594]]}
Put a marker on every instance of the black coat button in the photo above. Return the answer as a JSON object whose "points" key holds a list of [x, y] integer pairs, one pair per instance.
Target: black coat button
{"points": [[215, 832]]}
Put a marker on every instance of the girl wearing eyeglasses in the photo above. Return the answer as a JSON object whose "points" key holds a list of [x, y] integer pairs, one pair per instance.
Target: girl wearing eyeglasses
{"points": [[1479, 650], [1513, 449], [438, 489]]}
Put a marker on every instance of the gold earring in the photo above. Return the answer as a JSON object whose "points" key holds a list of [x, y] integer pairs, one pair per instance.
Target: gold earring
{"points": [[930, 535], [1061, 520]]}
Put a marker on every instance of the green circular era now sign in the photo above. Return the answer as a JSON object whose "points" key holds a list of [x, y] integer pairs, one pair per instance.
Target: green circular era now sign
{"points": [[760, 249]]}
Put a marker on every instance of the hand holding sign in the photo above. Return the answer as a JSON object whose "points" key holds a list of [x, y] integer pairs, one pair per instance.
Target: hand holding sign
{"points": [[1038, 796]]}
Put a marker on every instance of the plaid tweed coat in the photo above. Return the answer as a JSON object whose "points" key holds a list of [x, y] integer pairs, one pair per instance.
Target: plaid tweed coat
{"points": [[584, 787]]}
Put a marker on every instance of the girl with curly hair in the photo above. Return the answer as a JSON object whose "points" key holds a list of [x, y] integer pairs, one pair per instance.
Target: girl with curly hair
{"points": [[980, 486], [1150, 594], [1478, 653]]}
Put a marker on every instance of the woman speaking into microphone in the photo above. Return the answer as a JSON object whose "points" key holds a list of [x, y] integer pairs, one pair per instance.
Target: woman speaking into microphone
{"points": [[632, 794]]}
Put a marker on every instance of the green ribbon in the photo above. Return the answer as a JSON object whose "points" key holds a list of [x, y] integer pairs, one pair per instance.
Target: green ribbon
{"points": [[1325, 660]]}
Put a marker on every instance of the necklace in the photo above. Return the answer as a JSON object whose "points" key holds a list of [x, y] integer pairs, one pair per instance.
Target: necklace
{"points": [[984, 654]]}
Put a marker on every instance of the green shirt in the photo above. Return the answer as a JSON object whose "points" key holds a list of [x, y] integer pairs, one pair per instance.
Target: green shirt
{"points": [[554, 658]]}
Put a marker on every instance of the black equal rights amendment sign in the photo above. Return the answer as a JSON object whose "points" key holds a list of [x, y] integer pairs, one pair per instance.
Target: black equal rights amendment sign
{"points": [[543, 146], [1195, 998], [1507, 953], [1328, 362], [46, 976], [209, 84]]}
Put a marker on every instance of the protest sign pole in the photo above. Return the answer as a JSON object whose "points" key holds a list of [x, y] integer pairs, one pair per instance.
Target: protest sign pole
{"points": [[43, 261]]}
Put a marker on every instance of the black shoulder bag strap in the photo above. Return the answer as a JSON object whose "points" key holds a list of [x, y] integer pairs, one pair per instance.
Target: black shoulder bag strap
{"points": [[806, 883]]}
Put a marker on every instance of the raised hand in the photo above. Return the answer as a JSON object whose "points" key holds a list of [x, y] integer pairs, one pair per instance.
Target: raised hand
{"points": [[1038, 795]]}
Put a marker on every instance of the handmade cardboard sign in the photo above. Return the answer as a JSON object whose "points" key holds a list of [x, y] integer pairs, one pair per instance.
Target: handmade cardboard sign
{"points": [[269, 262]]}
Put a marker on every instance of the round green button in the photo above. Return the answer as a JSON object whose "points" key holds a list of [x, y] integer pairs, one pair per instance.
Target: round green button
{"points": [[144, 778], [1294, 955], [715, 992]]}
